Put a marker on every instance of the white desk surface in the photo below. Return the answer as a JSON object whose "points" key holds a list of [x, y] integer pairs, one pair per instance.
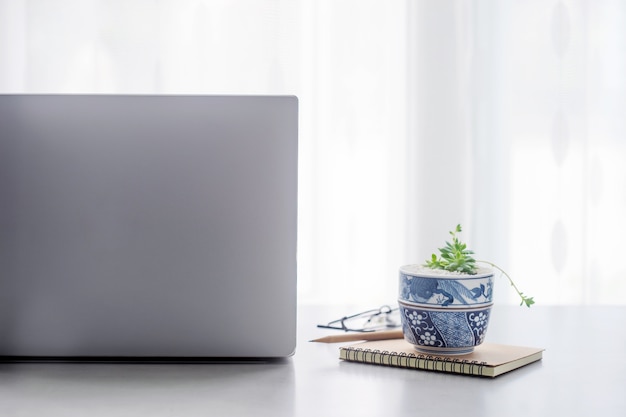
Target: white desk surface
{"points": [[583, 373]]}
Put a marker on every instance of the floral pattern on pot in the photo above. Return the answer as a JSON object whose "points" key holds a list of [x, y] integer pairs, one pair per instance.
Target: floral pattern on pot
{"points": [[444, 332]]}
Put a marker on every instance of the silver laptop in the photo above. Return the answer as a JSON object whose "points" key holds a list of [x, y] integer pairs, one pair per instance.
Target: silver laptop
{"points": [[148, 227]]}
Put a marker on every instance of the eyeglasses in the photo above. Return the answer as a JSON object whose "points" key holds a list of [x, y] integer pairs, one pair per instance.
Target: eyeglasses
{"points": [[381, 318]]}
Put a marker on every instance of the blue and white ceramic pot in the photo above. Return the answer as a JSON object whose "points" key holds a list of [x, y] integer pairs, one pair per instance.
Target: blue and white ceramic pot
{"points": [[444, 312]]}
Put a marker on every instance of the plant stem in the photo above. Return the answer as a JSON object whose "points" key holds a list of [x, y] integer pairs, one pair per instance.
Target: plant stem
{"points": [[525, 300]]}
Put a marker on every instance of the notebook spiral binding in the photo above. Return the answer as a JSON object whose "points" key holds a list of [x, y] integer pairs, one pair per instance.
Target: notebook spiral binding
{"points": [[419, 361]]}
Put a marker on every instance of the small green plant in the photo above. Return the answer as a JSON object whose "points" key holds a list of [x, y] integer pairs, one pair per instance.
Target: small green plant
{"points": [[455, 257]]}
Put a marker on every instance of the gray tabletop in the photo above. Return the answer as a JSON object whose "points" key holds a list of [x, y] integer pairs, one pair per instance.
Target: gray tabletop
{"points": [[583, 373]]}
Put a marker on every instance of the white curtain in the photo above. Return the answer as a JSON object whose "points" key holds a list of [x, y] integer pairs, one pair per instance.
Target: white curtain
{"points": [[505, 116], [549, 105]]}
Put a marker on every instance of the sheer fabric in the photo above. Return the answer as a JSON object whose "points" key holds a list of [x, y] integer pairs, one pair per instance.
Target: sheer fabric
{"points": [[505, 116]]}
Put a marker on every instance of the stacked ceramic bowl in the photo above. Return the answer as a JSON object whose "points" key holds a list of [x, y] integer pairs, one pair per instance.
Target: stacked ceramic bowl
{"points": [[443, 312]]}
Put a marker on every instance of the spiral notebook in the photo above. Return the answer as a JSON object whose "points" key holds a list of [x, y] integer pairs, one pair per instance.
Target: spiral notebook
{"points": [[488, 359]]}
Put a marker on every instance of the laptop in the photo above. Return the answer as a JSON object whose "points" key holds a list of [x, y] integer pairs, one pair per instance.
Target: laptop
{"points": [[147, 226]]}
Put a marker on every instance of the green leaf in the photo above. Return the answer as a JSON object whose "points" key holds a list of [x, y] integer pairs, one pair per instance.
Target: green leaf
{"points": [[455, 257]]}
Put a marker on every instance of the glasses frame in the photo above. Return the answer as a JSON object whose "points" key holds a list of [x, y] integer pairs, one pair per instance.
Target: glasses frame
{"points": [[340, 324]]}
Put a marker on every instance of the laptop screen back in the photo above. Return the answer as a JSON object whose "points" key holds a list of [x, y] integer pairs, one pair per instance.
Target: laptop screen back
{"points": [[148, 226]]}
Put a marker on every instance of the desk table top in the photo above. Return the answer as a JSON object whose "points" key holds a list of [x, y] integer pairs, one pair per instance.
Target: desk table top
{"points": [[583, 373]]}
